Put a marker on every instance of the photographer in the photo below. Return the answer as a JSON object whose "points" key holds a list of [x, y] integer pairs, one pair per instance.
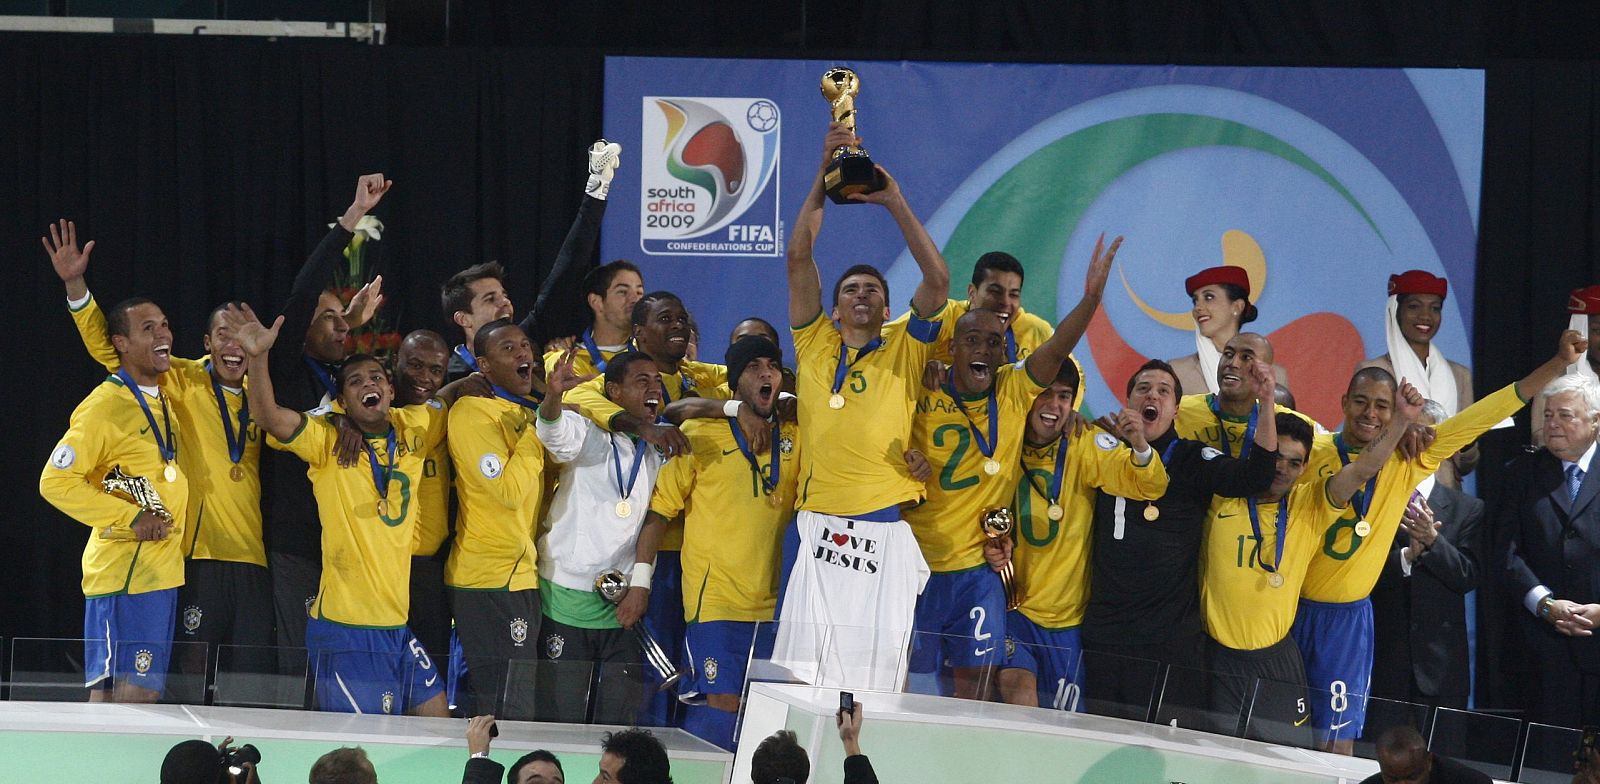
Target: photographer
{"points": [[535, 767], [780, 760], [198, 762]]}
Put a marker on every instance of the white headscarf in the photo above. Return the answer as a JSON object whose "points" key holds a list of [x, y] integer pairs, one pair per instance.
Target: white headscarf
{"points": [[1433, 379], [1210, 357], [1580, 322]]}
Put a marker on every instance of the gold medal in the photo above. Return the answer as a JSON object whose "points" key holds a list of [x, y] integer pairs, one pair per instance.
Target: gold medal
{"points": [[1151, 513], [1363, 528], [836, 402], [1275, 580], [1055, 512], [383, 507], [991, 466], [624, 508], [236, 473], [170, 473]]}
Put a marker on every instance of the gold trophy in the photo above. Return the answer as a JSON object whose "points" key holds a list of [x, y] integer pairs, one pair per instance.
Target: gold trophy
{"points": [[996, 524], [612, 586], [850, 171], [137, 490]]}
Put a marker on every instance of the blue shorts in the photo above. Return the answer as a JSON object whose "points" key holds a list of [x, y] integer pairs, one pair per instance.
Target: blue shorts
{"points": [[128, 638], [718, 653], [369, 670], [1336, 643], [1055, 657], [960, 620]]}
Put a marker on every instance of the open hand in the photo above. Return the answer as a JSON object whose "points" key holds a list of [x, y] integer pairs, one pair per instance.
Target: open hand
{"points": [[254, 338], [61, 246]]}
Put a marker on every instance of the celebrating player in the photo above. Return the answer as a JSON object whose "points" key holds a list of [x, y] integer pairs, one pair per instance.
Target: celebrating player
{"points": [[366, 660], [860, 569], [1334, 624], [133, 561], [971, 430]]}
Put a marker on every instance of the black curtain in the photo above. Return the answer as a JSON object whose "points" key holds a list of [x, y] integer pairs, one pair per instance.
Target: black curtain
{"points": [[206, 169]]}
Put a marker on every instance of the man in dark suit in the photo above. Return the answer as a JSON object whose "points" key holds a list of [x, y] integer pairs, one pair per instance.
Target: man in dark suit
{"points": [[1550, 510], [1419, 603]]}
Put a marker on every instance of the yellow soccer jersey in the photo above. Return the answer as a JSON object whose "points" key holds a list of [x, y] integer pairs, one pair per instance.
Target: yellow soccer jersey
{"points": [[1028, 331], [1241, 607], [1347, 566], [946, 524], [733, 523], [1051, 558], [498, 491], [433, 499], [108, 429], [852, 458], [582, 363], [224, 522], [366, 549], [1197, 422]]}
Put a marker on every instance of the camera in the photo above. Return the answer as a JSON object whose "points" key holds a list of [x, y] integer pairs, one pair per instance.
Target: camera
{"points": [[236, 759]]}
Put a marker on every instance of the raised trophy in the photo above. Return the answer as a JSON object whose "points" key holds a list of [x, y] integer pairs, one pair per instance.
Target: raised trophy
{"points": [[134, 489], [612, 585], [996, 524], [850, 171]]}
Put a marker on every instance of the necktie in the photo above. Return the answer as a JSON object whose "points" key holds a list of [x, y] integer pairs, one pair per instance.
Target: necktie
{"points": [[1574, 480]]}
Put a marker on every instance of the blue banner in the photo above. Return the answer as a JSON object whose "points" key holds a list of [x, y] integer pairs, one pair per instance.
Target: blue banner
{"points": [[1319, 182]]}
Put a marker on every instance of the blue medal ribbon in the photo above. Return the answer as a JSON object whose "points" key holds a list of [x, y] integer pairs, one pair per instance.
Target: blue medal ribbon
{"points": [[321, 372], [168, 446], [616, 463], [1283, 531], [838, 373], [986, 447], [506, 394], [593, 350], [1362, 500], [750, 457], [380, 475], [466, 357], [235, 442], [684, 387], [1249, 429], [1054, 496], [1011, 344]]}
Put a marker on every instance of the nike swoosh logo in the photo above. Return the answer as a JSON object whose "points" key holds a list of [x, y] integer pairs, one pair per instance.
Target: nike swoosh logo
{"points": [[730, 451], [1304, 719], [1340, 726], [430, 681], [984, 652], [144, 430], [1229, 514]]}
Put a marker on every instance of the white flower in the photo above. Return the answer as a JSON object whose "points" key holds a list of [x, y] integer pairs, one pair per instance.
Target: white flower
{"points": [[368, 225]]}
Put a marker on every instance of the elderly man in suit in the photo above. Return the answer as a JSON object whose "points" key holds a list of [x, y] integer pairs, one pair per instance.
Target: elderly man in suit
{"points": [[1550, 507], [1419, 604]]}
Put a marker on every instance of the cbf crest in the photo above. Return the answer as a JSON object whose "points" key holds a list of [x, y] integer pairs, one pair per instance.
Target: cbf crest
{"points": [[786, 445], [142, 662], [191, 619], [519, 631], [388, 702], [553, 645], [710, 669]]}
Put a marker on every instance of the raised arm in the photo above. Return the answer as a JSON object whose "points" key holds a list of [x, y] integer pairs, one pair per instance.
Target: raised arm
{"points": [[1046, 360], [933, 291], [256, 342], [1407, 407], [1266, 384], [317, 272], [1570, 350], [805, 283], [577, 250]]}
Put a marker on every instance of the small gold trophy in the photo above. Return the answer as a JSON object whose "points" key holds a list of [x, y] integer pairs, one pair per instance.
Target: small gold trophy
{"points": [[612, 585], [850, 171], [135, 489], [996, 524]]}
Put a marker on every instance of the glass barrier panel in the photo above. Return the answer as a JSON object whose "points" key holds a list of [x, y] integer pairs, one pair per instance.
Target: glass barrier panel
{"points": [[1549, 754], [793, 653], [1125, 687], [1043, 676], [261, 676], [1381, 714], [1204, 700], [1478, 740], [549, 690], [378, 682], [55, 670], [1289, 714], [951, 665]]}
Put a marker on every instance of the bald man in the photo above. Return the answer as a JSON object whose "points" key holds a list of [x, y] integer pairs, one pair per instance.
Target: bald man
{"points": [[1403, 758], [419, 370]]}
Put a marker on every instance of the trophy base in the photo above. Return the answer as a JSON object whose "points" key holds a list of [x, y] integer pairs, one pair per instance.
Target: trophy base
{"points": [[850, 174]]}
